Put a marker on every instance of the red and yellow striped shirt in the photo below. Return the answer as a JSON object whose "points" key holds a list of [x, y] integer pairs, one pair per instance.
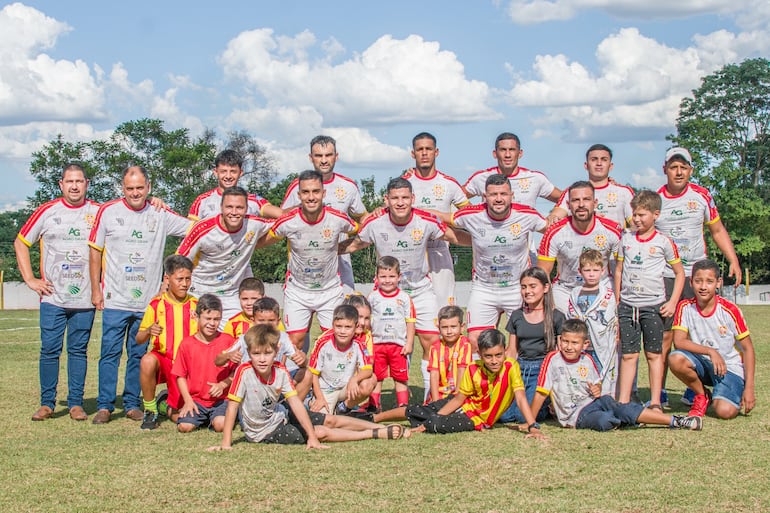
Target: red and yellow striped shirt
{"points": [[446, 360], [177, 318], [489, 395]]}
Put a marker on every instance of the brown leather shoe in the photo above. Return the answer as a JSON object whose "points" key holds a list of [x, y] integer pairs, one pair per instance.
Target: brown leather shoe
{"points": [[78, 413], [42, 413], [102, 416], [135, 414]]}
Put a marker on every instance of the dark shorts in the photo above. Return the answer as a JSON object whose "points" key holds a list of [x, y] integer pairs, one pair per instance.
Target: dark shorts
{"points": [[605, 413], [205, 414], [727, 388], [687, 293], [637, 323], [292, 433]]}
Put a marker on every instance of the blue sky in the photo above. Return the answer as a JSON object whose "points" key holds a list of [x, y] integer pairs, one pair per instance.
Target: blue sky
{"points": [[562, 74]]}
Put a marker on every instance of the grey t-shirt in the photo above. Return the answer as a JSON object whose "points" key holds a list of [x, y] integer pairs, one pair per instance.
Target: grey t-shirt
{"points": [[531, 337]]}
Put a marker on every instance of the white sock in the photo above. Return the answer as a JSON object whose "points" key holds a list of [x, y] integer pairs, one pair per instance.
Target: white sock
{"points": [[425, 378]]}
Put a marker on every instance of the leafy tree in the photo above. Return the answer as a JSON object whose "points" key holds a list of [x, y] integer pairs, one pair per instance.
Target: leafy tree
{"points": [[726, 127], [10, 224]]}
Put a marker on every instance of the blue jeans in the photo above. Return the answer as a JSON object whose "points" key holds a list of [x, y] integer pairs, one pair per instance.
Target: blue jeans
{"points": [[119, 327], [530, 369], [54, 320]]}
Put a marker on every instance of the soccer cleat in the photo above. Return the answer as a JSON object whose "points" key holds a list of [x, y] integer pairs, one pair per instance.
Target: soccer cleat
{"points": [[700, 404], [150, 420], [691, 423], [162, 401], [687, 397]]}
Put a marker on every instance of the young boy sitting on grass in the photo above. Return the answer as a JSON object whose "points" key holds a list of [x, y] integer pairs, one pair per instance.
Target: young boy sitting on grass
{"points": [[202, 384], [256, 391], [713, 347], [168, 319], [570, 377], [339, 365], [486, 390]]}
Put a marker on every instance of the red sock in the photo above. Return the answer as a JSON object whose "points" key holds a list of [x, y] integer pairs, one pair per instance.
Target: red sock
{"points": [[375, 399], [402, 397]]}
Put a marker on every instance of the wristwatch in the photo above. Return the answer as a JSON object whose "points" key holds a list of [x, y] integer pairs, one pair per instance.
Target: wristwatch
{"points": [[533, 425]]}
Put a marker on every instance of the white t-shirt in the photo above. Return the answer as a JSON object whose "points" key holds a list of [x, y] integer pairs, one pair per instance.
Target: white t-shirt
{"points": [[133, 242], [500, 247], [390, 314], [644, 262], [333, 366], [567, 383], [313, 263], [260, 412], [63, 231]]}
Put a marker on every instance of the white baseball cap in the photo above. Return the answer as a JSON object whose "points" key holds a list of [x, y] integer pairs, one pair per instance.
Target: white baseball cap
{"points": [[678, 152]]}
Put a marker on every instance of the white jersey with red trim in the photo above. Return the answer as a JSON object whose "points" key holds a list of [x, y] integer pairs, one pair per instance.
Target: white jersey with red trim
{"points": [[342, 194], [408, 243], [567, 383], [63, 230], [564, 243], [313, 263], [643, 263], [613, 201], [439, 192], [334, 366], [209, 204], [682, 218], [723, 329], [261, 411], [500, 247], [133, 242], [390, 314], [221, 257], [527, 185]]}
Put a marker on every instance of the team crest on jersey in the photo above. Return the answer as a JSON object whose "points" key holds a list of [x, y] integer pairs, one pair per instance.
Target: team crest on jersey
{"points": [[612, 199], [249, 236], [516, 229], [692, 205], [600, 241], [653, 250], [340, 193], [90, 219], [524, 184], [582, 371], [723, 330], [400, 302], [417, 235], [439, 191], [327, 233]]}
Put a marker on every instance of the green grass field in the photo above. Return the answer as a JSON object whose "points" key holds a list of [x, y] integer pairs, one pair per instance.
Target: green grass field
{"points": [[63, 465]]}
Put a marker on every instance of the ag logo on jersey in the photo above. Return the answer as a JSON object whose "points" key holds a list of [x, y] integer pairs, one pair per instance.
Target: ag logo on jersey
{"points": [[417, 235]]}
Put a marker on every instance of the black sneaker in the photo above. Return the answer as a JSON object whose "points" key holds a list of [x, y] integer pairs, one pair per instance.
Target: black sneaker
{"points": [[162, 402], [342, 408], [691, 423], [150, 420]]}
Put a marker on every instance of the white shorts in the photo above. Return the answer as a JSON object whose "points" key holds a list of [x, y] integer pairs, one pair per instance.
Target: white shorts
{"points": [[299, 306], [561, 298], [425, 309], [442, 272], [486, 304], [346, 274]]}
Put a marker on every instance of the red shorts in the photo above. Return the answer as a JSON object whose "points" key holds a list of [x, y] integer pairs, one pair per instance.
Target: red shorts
{"points": [[388, 356], [164, 376]]}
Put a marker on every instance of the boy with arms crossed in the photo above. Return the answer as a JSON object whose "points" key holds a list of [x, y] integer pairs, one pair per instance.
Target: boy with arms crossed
{"points": [[570, 377], [256, 391], [713, 347]]}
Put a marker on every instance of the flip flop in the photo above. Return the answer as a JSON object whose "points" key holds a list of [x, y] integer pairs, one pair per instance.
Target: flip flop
{"points": [[395, 427]]}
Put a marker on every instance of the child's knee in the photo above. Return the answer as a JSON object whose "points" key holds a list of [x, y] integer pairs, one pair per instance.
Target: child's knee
{"points": [[218, 424], [677, 361], [322, 432], [184, 427], [725, 410]]}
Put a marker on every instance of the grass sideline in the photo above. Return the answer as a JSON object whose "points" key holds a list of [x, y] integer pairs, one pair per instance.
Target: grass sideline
{"points": [[62, 465]]}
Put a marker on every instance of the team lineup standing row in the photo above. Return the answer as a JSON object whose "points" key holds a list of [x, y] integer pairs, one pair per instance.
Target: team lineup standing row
{"points": [[127, 238]]}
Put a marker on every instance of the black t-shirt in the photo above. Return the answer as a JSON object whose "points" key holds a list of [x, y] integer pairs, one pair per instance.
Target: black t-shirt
{"points": [[530, 337]]}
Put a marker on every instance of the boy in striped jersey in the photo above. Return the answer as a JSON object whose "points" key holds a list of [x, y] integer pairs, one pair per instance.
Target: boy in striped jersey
{"points": [[167, 320]]}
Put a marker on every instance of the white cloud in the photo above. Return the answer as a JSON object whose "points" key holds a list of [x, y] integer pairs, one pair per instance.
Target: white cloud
{"points": [[648, 178], [636, 92], [165, 108], [19, 141], [33, 86], [394, 80], [537, 11]]}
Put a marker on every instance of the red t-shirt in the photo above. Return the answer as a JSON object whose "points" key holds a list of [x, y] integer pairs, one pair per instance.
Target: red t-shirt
{"points": [[195, 361]]}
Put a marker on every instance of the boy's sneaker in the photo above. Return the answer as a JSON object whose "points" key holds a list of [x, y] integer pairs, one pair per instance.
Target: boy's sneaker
{"points": [[700, 404], [341, 408], [691, 423], [150, 420], [162, 401], [687, 397]]}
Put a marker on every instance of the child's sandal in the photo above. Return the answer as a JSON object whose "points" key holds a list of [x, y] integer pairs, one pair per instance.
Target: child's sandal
{"points": [[395, 431]]}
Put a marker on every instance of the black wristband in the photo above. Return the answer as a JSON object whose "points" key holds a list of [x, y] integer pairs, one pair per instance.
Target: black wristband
{"points": [[533, 425]]}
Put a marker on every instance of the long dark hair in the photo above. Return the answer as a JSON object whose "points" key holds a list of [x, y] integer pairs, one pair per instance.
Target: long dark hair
{"points": [[549, 334]]}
